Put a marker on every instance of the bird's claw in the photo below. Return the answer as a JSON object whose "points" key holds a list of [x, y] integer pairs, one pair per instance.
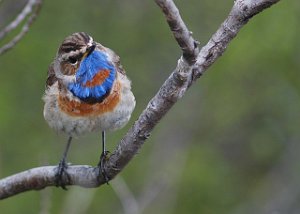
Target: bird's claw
{"points": [[101, 169], [62, 166]]}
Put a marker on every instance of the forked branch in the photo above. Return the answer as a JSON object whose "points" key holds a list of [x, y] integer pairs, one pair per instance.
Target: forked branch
{"points": [[190, 67]]}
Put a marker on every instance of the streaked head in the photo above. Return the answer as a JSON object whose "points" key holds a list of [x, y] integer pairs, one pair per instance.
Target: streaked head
{"points": [[72, 50], [85, 68]]}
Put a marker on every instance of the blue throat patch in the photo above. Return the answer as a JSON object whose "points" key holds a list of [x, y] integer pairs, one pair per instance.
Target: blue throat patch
{"points": [[89, 67]]}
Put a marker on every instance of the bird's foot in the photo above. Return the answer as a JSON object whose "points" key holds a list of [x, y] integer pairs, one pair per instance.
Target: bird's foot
{"points": [[61, 171], [101, 169]]}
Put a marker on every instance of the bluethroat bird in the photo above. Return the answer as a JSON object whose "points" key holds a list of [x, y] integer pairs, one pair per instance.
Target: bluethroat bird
{"points": [[87, 90]]}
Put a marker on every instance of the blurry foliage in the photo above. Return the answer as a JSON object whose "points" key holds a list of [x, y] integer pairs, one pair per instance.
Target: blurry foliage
{"points": [[240, 118]]}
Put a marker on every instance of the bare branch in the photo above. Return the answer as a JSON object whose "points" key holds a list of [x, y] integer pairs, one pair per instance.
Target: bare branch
{"points": [[41, 177], [33, 8], [239, 15], [173, 89], [183, 36], [180, 80]]}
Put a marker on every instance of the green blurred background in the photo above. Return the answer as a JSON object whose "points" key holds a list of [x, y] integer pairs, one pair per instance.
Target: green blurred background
{"points": [[229, 146]]}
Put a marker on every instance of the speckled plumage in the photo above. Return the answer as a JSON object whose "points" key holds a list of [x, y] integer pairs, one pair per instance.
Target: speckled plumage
{"points": [[78, 98]]}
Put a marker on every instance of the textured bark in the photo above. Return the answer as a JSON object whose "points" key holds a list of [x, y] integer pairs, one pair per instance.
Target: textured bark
{"points": [[189, 68], [183, 36]]}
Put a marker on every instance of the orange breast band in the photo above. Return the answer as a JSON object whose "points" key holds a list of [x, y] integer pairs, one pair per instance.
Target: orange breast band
{"points": [[98, 79], [81, 109]]}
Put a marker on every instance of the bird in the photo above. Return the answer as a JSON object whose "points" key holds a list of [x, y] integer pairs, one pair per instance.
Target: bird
{"points": [[86, 91]]}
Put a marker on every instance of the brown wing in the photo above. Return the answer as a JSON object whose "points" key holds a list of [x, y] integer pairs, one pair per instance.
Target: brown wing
{"points": [[116, 60], [51, 79]]}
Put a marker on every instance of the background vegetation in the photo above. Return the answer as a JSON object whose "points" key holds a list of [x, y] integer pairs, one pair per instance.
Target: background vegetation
{"points": [[230, 146]]}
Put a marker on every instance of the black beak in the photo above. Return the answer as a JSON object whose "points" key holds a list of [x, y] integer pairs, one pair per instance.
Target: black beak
{"points": [[91, 49]]}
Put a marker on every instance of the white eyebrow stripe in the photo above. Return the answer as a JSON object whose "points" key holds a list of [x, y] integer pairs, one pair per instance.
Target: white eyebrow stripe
{"points": [[90, 43], [66, 56]]}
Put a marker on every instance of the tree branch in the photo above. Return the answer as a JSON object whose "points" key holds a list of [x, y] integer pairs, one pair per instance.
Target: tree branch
{"points": [[32, 7], [241, 12], [173, 89], [183, 36], [41, 177]]}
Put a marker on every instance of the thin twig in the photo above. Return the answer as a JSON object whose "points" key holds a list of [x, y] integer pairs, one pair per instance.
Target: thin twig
{"points": [[21, 16], [172, 90], [160, 184], [33, 7], [126, 197], [77, 201], [45, 203]]}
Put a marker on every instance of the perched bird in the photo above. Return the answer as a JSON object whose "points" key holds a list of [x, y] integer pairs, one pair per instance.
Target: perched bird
{"points": [[86, 91]]}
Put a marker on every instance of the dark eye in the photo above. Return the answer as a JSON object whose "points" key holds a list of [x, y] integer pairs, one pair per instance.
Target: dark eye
{"points": [[72, 60]]}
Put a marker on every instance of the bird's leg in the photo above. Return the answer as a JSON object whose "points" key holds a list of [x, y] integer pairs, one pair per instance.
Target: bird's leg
{"points": [[62, 166], [103, 158]]}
